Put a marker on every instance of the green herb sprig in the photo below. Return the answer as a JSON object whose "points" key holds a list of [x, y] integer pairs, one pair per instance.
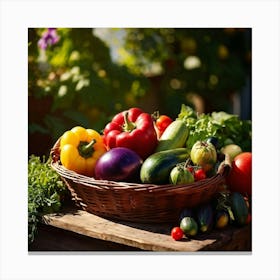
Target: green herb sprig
{"points": [[45, 192]]}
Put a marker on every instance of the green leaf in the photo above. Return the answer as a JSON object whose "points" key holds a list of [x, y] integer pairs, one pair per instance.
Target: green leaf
{"points": [[34, 127], [186, 112], [78, 117], [222, 125]]}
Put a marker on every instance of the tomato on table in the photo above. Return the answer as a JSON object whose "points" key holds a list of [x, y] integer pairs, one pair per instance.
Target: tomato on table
{"points": [[177, 233]]}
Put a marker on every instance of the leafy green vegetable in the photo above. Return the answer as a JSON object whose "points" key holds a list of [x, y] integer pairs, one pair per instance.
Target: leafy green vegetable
{"points": [[227, 128], [45, 192]]}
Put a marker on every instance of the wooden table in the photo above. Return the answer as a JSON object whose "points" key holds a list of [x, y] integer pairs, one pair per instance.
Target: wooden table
{"points": [[77, 230]]}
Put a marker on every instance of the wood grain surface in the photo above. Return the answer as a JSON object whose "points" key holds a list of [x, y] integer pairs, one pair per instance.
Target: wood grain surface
{"points": [[147, 237]]}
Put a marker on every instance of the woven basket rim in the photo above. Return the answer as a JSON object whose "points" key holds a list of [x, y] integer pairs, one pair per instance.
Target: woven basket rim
{"points": [[222, 173], [137, 202]]}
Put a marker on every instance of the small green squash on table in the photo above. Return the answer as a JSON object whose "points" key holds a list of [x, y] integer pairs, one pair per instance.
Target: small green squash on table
{"points": [[239, 208]]}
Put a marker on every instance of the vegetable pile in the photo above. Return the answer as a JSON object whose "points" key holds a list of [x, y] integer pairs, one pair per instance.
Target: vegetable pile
{"points": [[153, 145], [227, 208], [139, 147]]}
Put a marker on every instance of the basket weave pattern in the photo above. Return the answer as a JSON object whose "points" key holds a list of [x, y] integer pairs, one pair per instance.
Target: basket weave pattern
{"points": [[144, 203]]}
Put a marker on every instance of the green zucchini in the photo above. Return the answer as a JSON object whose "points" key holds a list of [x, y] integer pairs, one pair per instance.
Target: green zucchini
{"points": [[157, 167], [239, 208], [205, 217], [174, 136]]}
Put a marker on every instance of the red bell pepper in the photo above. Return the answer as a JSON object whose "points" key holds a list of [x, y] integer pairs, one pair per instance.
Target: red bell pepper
{"points": [[133, 129]]}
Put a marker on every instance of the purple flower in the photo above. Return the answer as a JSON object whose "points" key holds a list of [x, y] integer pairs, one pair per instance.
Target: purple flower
{"points": [[49, 38]]}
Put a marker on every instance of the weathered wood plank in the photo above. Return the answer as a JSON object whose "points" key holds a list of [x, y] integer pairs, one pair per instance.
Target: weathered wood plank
{"points": [[148, 237], [53, 239]]}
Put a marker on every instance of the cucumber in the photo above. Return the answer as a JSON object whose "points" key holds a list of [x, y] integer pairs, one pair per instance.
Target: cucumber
{"points": [[205, 217], [239, 208], [174, 136], [157, 167]]}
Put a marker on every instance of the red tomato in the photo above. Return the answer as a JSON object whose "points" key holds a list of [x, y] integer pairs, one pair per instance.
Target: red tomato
{"points": [[177, 233], [240, 176], [199, 174], [162, 123]]}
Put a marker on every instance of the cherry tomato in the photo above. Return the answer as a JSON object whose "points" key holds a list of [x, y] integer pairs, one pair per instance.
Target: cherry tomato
{"points": [[240, 176], [177, 233], [199, 174], [162, 123]]}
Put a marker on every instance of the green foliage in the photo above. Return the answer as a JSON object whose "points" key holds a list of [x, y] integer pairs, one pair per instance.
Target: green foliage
{"points": [[221, 125], [156, 68], [45, 192], [222, 56], [85, 87]]}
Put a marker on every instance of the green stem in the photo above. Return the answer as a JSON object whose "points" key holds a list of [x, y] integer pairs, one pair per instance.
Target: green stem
{"points": [[128, 126], [187, 162], [86, 149], [155, 115]]}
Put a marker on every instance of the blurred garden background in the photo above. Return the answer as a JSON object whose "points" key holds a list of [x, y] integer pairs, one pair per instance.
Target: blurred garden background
{"points": [[84, 76]]}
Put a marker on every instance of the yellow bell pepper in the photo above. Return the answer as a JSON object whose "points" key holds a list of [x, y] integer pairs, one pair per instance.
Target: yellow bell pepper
{"points": [[80, 149]]}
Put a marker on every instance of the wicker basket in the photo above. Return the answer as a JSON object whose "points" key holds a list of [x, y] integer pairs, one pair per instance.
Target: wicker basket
{"points": [[143, 203]]}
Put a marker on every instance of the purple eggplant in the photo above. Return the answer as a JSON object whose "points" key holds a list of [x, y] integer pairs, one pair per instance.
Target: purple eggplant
{"points": [[118, 164]]}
